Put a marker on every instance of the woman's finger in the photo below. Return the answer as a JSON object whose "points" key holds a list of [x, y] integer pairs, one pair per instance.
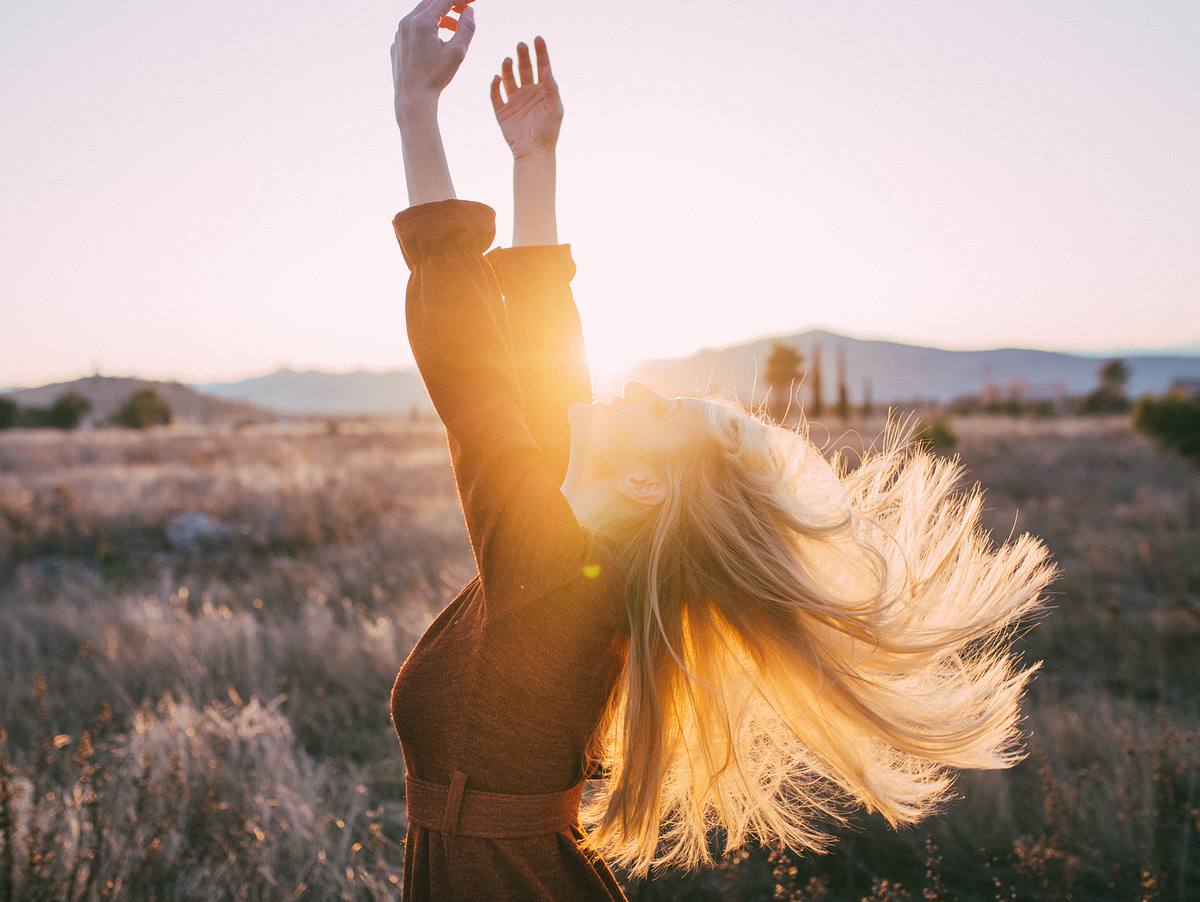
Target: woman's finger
{"points": [[465, 29], [510, 82], [497, 100], [423, 8], [432, 11], [416, 10], [543, 59], [524, 65]]}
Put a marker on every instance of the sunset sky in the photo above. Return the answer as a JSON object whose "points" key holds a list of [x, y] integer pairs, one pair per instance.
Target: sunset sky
{"points": [[204, 191]]}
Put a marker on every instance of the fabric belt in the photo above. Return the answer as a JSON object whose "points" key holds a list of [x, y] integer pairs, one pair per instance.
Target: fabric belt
{"points": [[470, 812]]}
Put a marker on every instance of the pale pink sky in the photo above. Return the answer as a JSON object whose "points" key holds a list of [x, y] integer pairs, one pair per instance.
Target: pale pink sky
{"points": [[204, 191]]}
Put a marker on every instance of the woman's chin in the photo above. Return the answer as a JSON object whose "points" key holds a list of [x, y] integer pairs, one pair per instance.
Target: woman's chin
{"points": [[582, 410]]}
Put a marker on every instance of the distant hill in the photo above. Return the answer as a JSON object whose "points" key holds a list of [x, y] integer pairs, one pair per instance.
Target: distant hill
{"points": [[107, 393], [901, 372], [1191, 349], [316, 392], [898, 372]]}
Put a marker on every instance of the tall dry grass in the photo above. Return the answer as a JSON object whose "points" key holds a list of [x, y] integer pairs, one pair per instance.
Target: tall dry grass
{"points": [[198, 630]]}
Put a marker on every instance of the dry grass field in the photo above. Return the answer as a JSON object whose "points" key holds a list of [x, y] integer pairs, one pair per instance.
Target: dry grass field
{"points": [[199, 629]]}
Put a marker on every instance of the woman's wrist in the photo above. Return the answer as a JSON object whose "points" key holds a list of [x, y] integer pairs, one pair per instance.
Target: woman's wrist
{"points": [[417, 111], [541, 157], [426, 170], [534, 199]]}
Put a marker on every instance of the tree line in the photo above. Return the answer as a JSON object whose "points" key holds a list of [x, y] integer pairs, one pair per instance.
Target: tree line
{"points": [[141, 409], [786, 372], [1171, 419]]}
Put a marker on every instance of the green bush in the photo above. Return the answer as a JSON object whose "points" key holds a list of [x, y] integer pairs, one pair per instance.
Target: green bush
{"points": [[8, 413], [937, 434], [33, 418], [66, 412], [143, 408], [1109, 396], [1103, 400], [1173, 420]]}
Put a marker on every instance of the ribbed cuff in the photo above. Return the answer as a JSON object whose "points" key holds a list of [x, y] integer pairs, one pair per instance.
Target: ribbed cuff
{"points": [[532, 270], [443, 226]]}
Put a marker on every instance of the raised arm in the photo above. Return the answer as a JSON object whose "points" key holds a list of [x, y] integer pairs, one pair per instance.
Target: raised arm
{"points": [[535, 273], [524, 535], [530, 114], [422, 66]]}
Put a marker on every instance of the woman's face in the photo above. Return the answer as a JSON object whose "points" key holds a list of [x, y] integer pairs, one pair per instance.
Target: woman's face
{"points": [[640, 425]]}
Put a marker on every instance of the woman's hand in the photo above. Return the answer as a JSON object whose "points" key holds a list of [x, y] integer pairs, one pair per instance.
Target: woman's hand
{"points": [[531, 117], [422, 63], [422, 66]]}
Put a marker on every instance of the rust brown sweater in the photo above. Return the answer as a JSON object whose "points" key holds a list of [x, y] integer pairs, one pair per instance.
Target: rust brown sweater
{"points": [[508, 683]]}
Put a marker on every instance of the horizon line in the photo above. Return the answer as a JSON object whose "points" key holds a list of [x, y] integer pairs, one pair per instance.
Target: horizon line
{"points": [[1186, 349]]}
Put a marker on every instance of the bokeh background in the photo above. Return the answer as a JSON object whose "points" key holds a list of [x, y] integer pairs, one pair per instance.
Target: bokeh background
{"points": [[226, 507]]}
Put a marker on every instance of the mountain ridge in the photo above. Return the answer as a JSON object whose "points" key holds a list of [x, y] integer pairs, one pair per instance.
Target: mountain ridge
{"points": [[900, 371], [897, 371], [316, 392]]}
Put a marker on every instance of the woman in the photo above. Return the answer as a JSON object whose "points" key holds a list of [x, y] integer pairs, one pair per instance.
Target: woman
{"points": [[672, 593]]}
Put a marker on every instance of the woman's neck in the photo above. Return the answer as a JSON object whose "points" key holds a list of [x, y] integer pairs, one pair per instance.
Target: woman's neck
{"points": [[594, 501]]}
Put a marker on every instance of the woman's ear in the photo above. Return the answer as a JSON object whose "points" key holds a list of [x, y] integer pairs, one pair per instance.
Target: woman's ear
{"points": [[641, 485]]}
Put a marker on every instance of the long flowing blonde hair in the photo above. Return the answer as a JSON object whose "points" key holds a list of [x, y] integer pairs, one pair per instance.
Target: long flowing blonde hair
{"points": [[807, 638]]}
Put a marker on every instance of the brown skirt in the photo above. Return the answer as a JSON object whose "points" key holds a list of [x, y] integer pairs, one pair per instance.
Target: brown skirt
{"points": [[463, 844]]}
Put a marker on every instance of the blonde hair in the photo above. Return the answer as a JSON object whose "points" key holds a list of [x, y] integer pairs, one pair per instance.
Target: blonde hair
{"points": [[806, 638]]}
